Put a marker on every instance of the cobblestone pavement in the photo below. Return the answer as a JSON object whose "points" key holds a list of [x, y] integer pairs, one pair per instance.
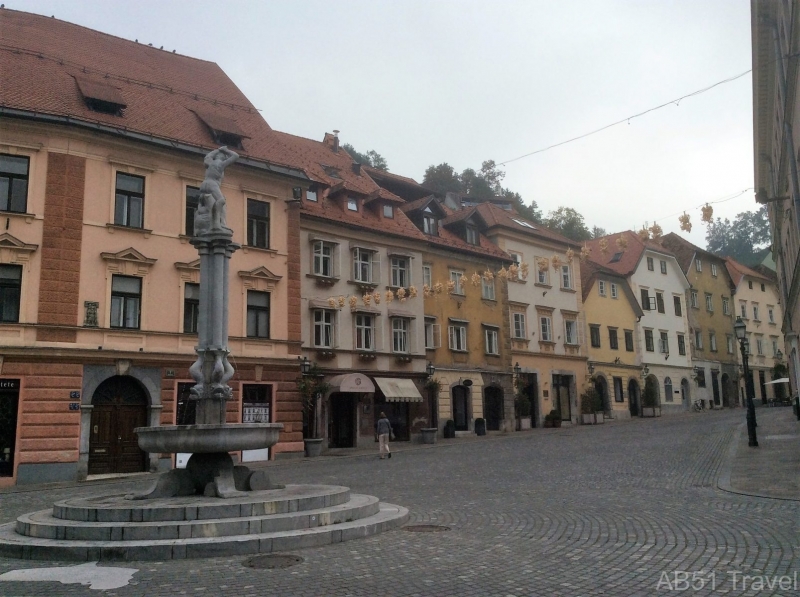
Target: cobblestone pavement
{"points": [[607, 510]]}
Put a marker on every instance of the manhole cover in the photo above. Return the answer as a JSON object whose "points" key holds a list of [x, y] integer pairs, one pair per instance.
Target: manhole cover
{"points": [[272, 561], [426, 528]]}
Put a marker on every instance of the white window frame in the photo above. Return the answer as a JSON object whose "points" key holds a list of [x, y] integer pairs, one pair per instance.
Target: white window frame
{"points": [[455, 276], [663, 266], [427, 275], [709, 302], [743, 309], [566, 276], [571, 332], [694, 299], [663, 342], [698, 265], [364, 328], [518, 326], [359, 255], [698, 339], [755, 313], [321, 325], [771, 314], [492, 345], [712, 341], [400, 335], [352, 204], [457, 337], [651, 266], [726, 306], [319, 258], [546, 328], [729, 343], [400, 271], [614, 291], [714, 269], [487, 289], [601, 287], [760, 346], [433, 334]]}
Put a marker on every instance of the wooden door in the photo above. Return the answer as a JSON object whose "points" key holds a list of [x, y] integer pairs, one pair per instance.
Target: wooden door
{"points": [[119, 406], [9, 405]]}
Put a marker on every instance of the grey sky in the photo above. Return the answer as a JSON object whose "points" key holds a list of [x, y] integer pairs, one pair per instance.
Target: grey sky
{"points": [[425, 82]]}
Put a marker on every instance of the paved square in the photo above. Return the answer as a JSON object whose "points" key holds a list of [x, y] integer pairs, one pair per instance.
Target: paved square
{"points": [[603, 510]]}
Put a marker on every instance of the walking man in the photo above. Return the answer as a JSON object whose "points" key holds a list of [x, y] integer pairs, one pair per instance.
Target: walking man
{"points": [[383, 429]]}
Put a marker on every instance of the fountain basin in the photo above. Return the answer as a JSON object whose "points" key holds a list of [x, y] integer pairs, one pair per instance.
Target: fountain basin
{"points": [[201, 439]]}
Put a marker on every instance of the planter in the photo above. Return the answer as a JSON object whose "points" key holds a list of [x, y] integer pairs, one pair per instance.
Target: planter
{"points": [[651, 411], [523, 423], [548, 423], [599, 418], [313, 447], [557, 423], [449, 431], [429, 435], [587, 419]]}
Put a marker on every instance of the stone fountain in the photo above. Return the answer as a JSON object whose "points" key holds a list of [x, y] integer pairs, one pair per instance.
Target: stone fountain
{"points": [[212, 507], [210, 470]]}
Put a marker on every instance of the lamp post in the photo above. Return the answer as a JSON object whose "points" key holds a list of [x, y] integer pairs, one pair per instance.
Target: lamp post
{"points": [[741, 332], [430, 370]]}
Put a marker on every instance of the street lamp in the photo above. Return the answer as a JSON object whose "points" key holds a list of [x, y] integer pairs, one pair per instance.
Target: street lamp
{"points": [[741, 332], [517, 369], [779, 355], [430, 370], [305, 366], [590, 367], [645, 372]]}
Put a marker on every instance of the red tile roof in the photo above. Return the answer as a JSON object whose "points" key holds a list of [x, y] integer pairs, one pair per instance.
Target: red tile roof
{"points": [[497, 216], [738, 271], [40, 59], [630, 257], [685, 251], [590, 271]]}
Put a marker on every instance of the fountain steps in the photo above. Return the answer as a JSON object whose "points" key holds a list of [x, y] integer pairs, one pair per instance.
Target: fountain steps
{"points": [[44, 536]]}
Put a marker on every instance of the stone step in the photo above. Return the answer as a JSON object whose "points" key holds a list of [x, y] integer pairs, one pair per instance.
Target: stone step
{"points": [[44, 525], [115, 508], [13, 545]]}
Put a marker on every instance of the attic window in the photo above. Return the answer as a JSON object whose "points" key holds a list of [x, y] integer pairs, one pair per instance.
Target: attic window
{"points": [[472, 235], [331, 171], [223, 130], [101, 97], [352, 204], [616, 257], [521, 223]]}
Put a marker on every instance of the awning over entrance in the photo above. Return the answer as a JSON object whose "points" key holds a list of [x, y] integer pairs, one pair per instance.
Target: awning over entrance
{"points": [[398, 389], [352, 382], [781, 380]]}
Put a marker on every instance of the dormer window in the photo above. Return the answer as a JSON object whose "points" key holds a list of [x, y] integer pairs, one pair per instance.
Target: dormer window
{"points": [[224, 131], [472, 235], [429, 225], [101, 97], [388, 211], [352, 204], [311, 194], [331, 171]]}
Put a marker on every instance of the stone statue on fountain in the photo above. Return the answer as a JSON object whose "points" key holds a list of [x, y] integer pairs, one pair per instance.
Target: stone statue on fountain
{"points": [[210, 470]]}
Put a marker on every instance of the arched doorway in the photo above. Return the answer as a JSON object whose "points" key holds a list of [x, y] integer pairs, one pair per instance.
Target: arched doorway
{"points": [[685, 396], [601, 387], [634, 398], [119, 405], [461, 407]]}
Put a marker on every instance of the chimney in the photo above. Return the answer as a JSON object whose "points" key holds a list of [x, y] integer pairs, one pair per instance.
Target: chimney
{"points": [[357, 168], [335, 141]]}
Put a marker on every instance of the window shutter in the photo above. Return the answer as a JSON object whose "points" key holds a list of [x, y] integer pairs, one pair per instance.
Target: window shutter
{"points": [[645, 299], [651, 303], [581, 325], [376, 268], [437, 335]]}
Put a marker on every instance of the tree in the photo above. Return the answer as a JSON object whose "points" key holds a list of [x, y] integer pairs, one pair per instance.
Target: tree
{"points": [[741, 239], [568, 222], [442, 179], [371, 158], [597, 232]]}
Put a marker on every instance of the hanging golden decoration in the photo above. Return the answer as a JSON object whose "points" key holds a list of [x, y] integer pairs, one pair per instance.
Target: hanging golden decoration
{"points": [[502, 274], [342, 301], [543, 264], [686, 223], [412, 292], [451, 286], [476, 279], [524, 270], [644, 234], [656, 231], [353, 302], [401, 294], [438, 288], [513, 272], [708, 213], [332, 302], [622, 243], [366, 299], [570, 255], [585, 252], [389, 296], [463, 282], [603, 244], [488, 275], [426, 290], [376, 296]]}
